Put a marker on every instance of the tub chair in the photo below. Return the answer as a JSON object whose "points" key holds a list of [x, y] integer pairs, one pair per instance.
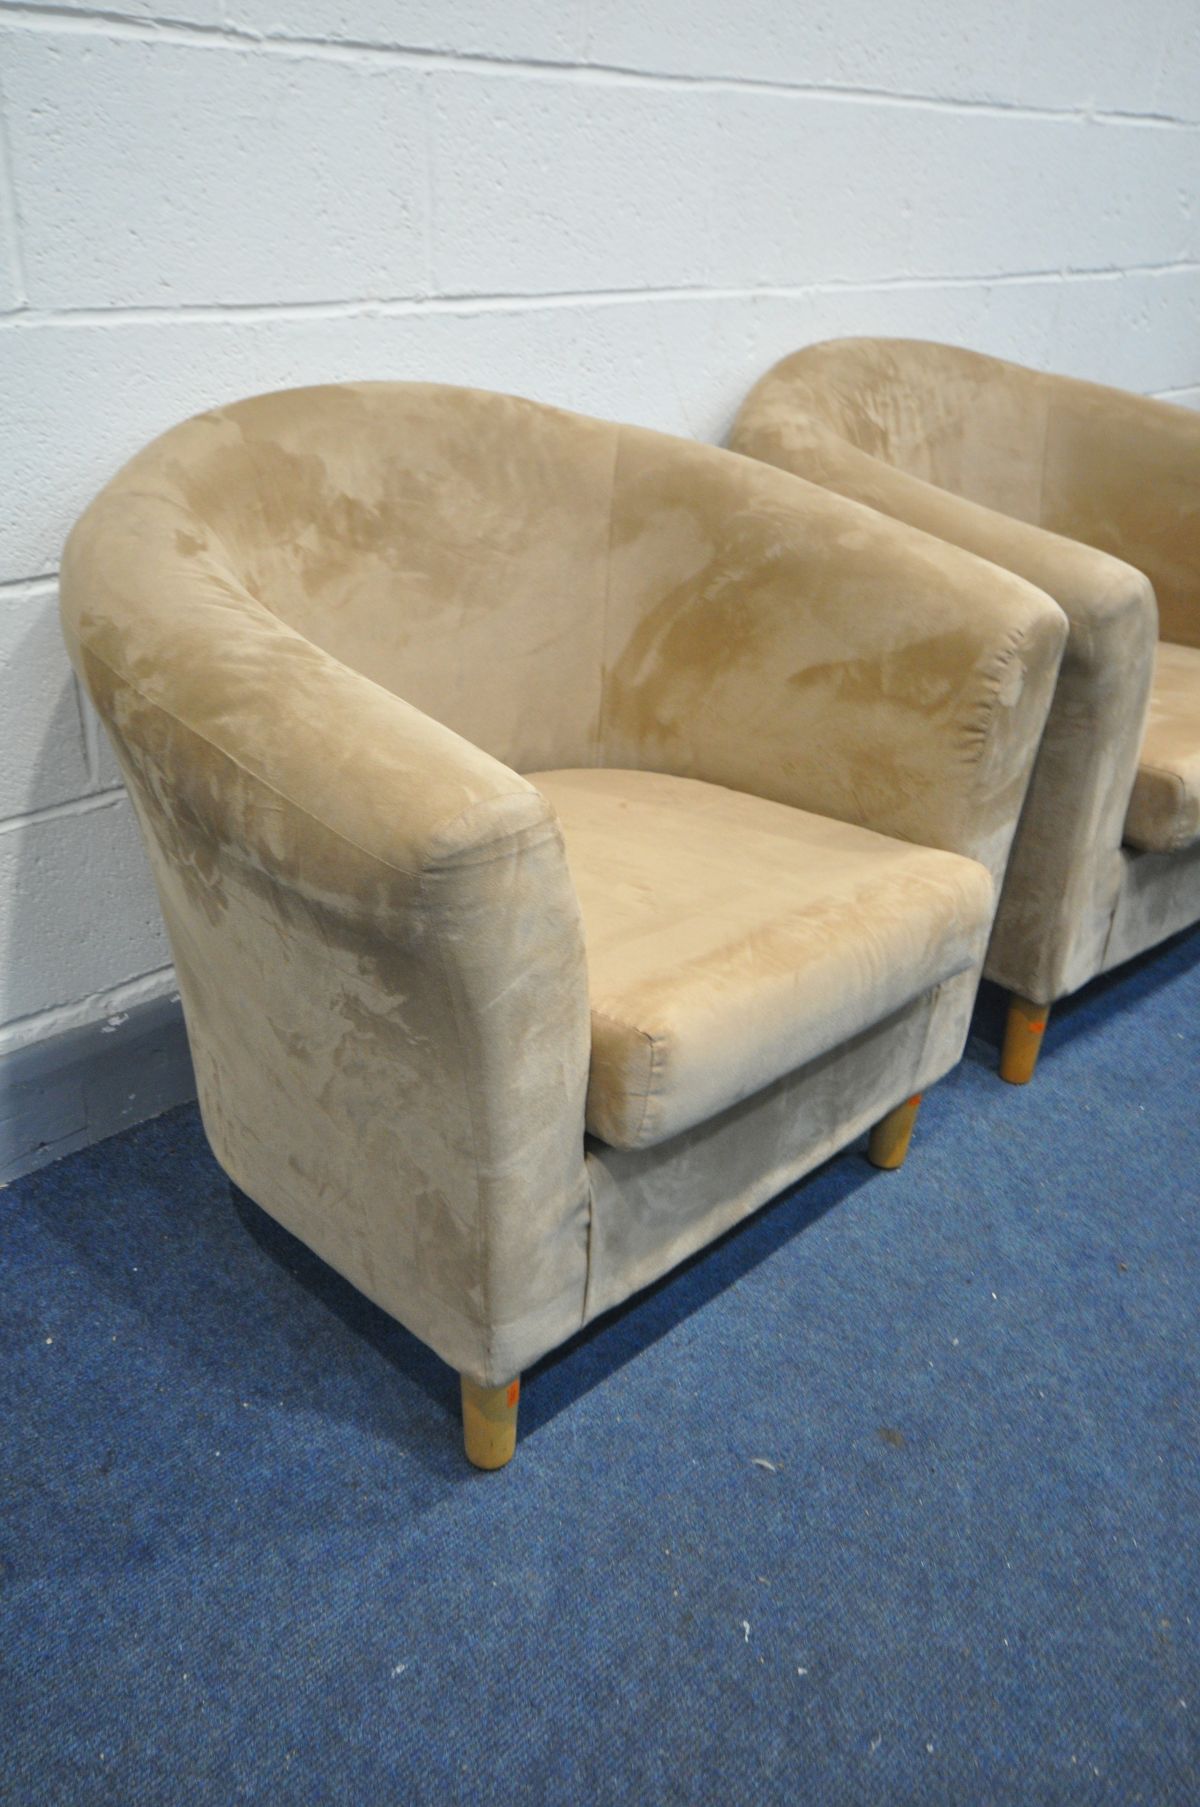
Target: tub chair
{"points": [[567, 835], [1094, 495]]}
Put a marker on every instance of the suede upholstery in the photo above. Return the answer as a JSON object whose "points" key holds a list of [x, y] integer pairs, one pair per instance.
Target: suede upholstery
{"points": [[329, 629], [730, 939], [1094, 495], [1164, 810]]}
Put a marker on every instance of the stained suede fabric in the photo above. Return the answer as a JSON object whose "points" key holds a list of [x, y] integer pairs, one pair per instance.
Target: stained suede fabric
{"points": [[730, 940], [1091, 494], [652, 1208], [328, 630], [1157, 899], [1164, 810], [879, 701]]}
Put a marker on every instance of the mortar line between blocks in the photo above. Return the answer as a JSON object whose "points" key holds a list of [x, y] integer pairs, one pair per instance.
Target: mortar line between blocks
{"points": [[115, 25], [56, 812], [32, 319]]}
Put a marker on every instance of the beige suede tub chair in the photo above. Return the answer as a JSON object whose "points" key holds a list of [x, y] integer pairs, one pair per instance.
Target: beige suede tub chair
{"points": [[567, 835], [1094, 495]]}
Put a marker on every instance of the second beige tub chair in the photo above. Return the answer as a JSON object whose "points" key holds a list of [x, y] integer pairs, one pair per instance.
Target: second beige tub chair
{"points": [[503, 1048], [1094, 495]]}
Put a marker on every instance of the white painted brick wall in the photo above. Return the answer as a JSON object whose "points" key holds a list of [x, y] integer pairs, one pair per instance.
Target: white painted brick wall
{"points": [[625, 207]]}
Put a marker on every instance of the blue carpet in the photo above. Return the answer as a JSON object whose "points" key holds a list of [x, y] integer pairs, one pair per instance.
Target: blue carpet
{"points": [[243, 1559]]}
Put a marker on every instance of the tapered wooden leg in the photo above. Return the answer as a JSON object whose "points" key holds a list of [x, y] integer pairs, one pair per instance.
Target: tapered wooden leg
{"points": [[490, 1422], [891, 1136], [1022, 1039]]}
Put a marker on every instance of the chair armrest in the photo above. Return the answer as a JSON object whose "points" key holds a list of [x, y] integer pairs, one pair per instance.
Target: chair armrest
{"points": [[377, 941], [386, 784], [1065, 868], [1122, 473], [779, 639]]}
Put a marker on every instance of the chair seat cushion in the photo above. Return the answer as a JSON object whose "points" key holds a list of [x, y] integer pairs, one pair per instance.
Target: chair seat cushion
{"points": [[1164, 810], [729, 939]]}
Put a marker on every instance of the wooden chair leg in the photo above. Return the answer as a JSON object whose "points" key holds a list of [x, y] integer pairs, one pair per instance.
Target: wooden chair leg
{"points": [[891, 1136], [489, 1416], [1023, 1033]]}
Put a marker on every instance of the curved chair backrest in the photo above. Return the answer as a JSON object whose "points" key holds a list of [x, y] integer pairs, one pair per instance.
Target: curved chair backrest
{"points": [[450, 544], [1091, 494], [967, 423], [1096, 464], [558, 591]]}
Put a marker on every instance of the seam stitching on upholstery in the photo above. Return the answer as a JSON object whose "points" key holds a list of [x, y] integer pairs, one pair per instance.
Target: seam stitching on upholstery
{"points": [[931, 1016], [1041, 501], [502, 843], [1163, 771], [588, 1258], [498, 841], [1009, 654], [656, 1050], [1174, 844], [1111, 928], [481, 1215], [612, 510], [655, 1046]]}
